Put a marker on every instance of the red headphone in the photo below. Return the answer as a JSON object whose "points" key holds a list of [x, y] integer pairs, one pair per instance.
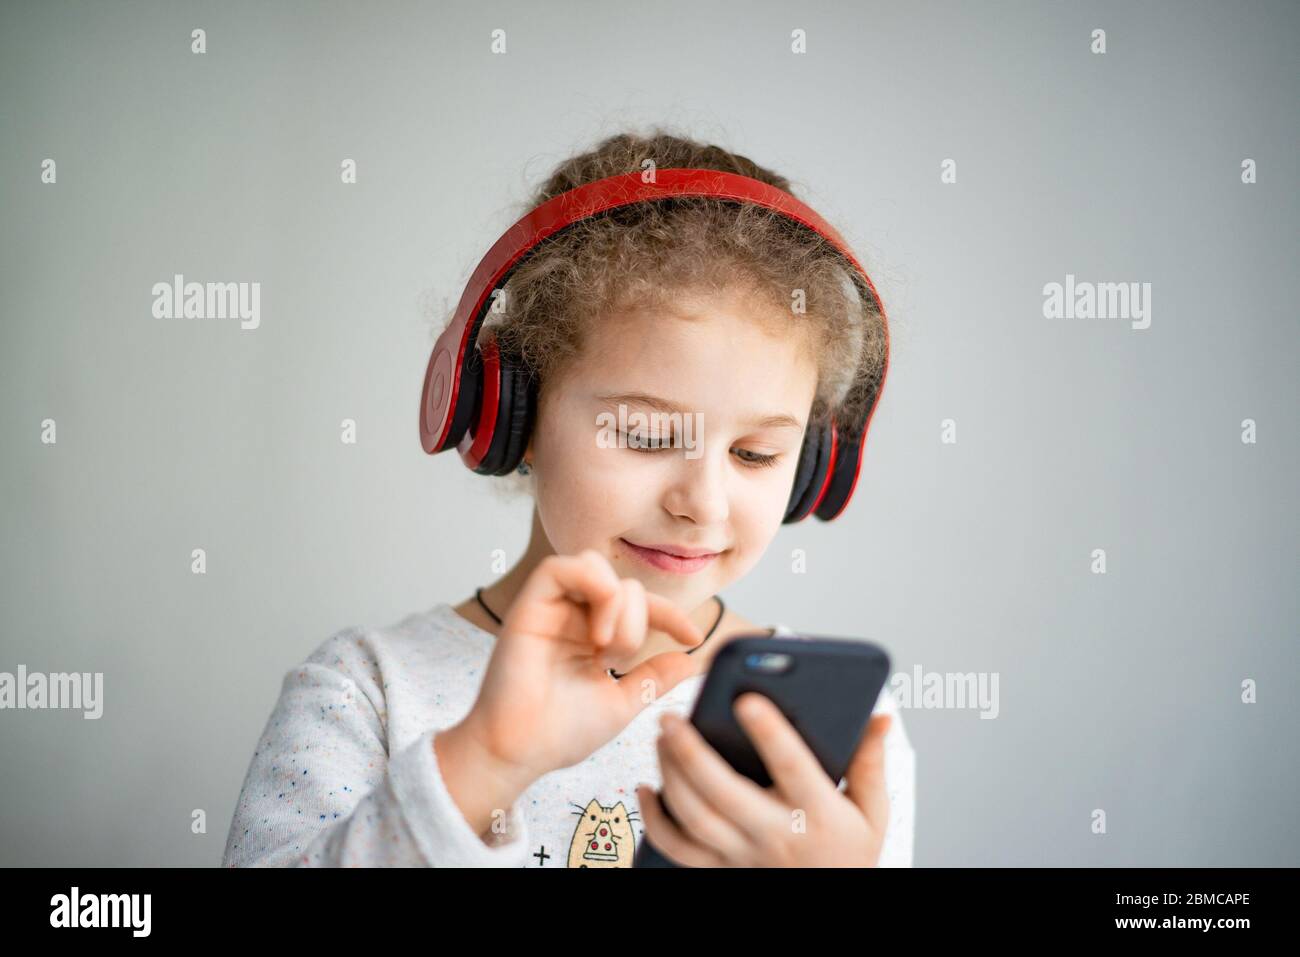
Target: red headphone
{"points": [[486, 405]]}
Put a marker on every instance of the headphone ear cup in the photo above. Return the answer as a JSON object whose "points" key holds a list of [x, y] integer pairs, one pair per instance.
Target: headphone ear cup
{"points": [[520, 425], [808, 475], [844, 477], [505, 404]]}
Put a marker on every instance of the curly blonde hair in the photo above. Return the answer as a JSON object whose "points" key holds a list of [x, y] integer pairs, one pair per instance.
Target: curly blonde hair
{"points": [[647, 254]]}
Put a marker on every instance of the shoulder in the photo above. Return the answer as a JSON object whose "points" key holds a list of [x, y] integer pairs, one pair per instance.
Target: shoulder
{"points": [[371, 655]]}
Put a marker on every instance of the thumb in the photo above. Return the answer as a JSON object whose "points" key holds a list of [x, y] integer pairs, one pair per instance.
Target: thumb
{"points": [[866, 773]]}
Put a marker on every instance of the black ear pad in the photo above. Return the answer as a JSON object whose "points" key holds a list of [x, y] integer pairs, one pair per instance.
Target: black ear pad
{"points": [[809, 473], [520, 426], [505, 404], [844, 476], [818, 477]]}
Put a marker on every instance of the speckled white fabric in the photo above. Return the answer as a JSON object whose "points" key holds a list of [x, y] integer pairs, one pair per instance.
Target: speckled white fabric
{"points": [[345, 773]]}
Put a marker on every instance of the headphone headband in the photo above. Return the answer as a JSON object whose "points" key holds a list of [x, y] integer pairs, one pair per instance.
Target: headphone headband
{"points": [[446, 413]]}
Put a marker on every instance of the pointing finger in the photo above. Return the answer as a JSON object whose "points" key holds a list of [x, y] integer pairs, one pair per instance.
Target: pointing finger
{"points": [[790, 763], [631, 626], [665, 616]]}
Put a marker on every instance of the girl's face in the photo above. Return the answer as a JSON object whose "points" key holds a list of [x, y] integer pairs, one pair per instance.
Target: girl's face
{"points": [[743, 395]]}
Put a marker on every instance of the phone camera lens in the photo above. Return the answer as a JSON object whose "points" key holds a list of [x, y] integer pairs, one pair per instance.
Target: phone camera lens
{"points": [[767, 662]]}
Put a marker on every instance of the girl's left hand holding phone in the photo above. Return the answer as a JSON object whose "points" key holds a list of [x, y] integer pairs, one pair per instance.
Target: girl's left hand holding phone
{"points": [[723, 819]]}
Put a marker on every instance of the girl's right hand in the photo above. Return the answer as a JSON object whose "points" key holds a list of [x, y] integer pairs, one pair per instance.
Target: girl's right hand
{"points": [[547, 700]]}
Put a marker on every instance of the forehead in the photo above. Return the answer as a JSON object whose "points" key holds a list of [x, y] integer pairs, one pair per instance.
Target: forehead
{"points": [[702, 344]]}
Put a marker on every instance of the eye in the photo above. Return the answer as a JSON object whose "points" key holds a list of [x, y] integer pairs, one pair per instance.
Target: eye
{"points": [[759, 461], [655, 443], [642, 442]]}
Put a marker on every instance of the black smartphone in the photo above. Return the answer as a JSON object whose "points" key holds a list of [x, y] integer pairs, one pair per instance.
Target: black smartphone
{"points": [[826, 688]]}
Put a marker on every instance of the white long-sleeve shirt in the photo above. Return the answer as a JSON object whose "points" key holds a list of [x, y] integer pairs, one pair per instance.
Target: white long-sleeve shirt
{"points": [[345, 772]]}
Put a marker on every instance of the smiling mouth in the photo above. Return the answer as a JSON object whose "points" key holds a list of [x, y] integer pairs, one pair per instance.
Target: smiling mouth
{"points": [[667, 562]]}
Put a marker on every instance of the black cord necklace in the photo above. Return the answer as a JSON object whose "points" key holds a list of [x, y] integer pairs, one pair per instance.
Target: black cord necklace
{"points": [[722, 610]]}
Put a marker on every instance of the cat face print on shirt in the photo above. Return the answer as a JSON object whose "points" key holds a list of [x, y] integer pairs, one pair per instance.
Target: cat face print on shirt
{"points": [[603, 836]]}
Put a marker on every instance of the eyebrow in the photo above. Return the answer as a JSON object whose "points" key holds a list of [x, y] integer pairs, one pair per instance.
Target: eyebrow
{"points": [[777, 421]]}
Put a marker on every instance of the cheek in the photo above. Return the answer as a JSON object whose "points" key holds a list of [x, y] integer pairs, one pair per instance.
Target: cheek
{"points": [[603, 475], [585, 493], [762, 519], [757, 508]]}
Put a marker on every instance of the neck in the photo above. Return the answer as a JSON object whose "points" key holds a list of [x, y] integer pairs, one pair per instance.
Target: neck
{"points": [[501, 594]]}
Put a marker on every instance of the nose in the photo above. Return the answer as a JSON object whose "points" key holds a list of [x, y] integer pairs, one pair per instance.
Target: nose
{"points": [[698, 487]]}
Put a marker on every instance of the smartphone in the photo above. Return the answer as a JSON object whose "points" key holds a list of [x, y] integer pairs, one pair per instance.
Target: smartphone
{"points": [[826, 688]]}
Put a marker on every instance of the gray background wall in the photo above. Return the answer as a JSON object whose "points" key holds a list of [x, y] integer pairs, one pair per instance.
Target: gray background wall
{"points": [[1118, 691]]}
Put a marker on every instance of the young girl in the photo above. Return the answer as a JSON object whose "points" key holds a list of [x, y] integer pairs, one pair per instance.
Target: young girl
{"points": [[517, 727]]}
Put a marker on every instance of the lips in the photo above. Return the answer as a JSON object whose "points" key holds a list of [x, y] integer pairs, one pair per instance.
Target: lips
{"points": [[679, 560], [679, 551]]}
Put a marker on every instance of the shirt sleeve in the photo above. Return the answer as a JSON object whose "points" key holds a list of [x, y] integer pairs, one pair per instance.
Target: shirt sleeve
{"points": [[900, 782], [323, 791]]}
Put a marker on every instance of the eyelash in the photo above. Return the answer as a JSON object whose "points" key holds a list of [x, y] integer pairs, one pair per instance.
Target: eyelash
{"points": [[759, 461]]}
